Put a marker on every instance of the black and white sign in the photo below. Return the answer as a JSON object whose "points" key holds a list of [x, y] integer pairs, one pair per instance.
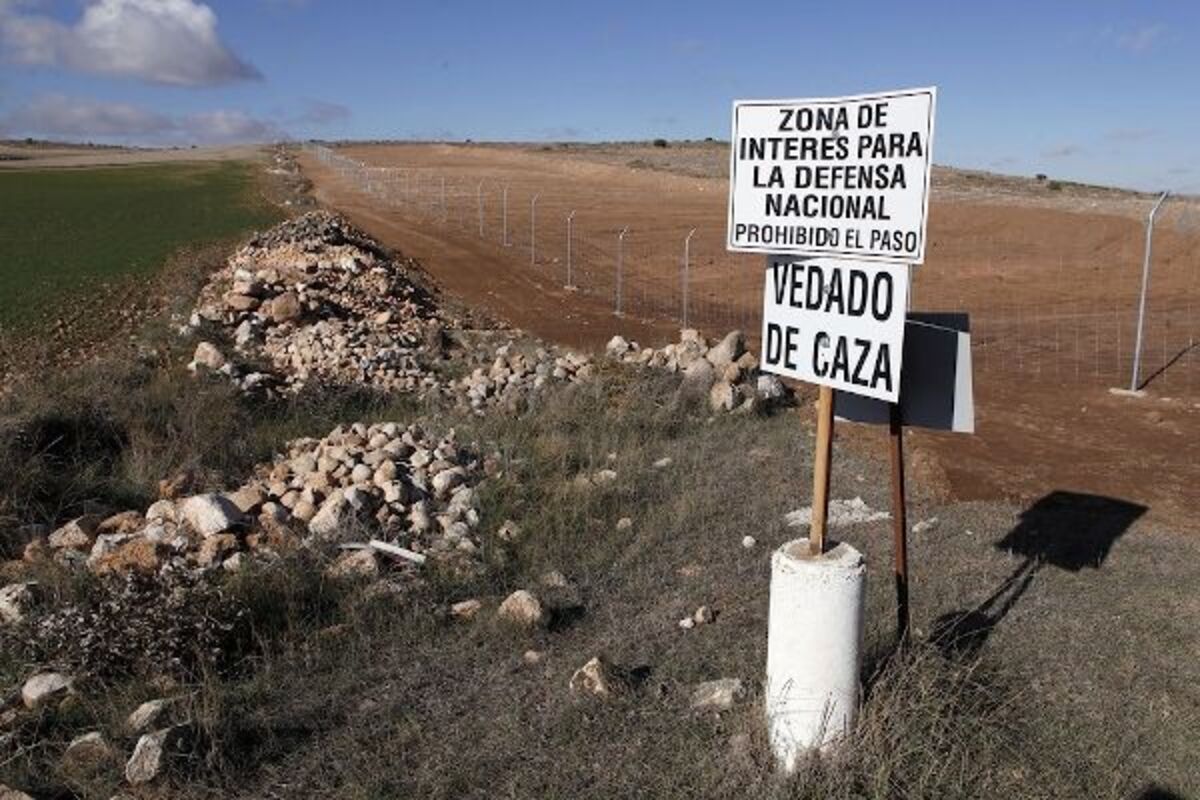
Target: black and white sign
{"points": [[835, 322], [840, 176], [936, 391]]}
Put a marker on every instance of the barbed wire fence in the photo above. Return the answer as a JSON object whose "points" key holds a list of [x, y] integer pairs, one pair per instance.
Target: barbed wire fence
{"points": [[1073, 322]]}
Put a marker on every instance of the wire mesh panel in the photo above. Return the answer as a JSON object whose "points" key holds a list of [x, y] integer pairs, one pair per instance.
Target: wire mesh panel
{"points": [[1051, 282]]}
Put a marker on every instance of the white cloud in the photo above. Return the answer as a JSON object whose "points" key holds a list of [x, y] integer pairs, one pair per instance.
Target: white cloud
{"points": [[56, 115], [161, 41], [1140, 39], [61, 117], [229, 126]]}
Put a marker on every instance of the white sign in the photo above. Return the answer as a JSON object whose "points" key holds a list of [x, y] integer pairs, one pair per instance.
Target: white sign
{"points": [[839, 176], [837, 323]]}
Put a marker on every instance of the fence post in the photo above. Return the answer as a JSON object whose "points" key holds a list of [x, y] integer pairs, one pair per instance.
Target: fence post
{"points": [[444, 212], [620, 265], [479, 197], [533, 231], [504, 216], [1137, 348], [570, 217], [687, 259]]}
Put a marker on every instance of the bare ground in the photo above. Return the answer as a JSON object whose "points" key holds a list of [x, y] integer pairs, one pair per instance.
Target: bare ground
{"points": [[1045, 417]]}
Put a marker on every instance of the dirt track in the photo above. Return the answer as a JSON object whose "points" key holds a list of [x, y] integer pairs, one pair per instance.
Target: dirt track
{"points": [[1045, 418]]}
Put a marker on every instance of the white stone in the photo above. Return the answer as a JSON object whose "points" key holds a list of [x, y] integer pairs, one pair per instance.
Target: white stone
{"points": [[16, 600], [209, 514], [718, 695], [446, 480], [151, 753], [769, 387], [723, 396], [925, 525], [465, 609], [596, 678], [522, 608], [333, 514], [43, 688], [78, 534], [163, 510], [605, 476], [209, 356], [148, 715], [841, 512], [617, 347], [728, 350]]}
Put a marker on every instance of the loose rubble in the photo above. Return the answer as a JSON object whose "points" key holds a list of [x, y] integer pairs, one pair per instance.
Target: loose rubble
{"points": [[841, 512], [396, 482], [314, 300], [725, 372]]}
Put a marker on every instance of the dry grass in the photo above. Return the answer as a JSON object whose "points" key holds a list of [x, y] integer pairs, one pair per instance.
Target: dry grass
{"points": [[347, 697]]}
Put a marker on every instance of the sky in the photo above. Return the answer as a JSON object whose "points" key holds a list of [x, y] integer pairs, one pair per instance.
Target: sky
{"points": [[1103, 91]]}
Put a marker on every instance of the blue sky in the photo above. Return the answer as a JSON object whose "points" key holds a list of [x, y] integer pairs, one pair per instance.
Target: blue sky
{"points": [[1101, 91]]}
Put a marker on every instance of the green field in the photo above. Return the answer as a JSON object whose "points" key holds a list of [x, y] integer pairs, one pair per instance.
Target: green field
{"points": [[64, 233]]}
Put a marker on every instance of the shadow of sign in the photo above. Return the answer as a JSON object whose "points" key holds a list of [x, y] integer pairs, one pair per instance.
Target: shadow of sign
{"points": [[1067, 530], [1156, 792]]}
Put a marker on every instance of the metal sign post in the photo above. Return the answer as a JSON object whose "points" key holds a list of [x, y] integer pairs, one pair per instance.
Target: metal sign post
{"points": [[899, 522]]}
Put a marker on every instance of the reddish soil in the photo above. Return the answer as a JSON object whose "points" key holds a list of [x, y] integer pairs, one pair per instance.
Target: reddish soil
{"points": [[1050, 286]]}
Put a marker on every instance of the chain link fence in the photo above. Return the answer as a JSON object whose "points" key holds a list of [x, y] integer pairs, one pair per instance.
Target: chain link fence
{"points": [[1053, 301]]}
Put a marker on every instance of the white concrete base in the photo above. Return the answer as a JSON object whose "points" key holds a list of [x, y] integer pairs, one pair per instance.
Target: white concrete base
{"points": [[814, 648]]}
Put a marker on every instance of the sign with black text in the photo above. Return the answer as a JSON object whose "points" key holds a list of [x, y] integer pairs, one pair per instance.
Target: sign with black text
{"points": [[840, 176], [836, 323]]}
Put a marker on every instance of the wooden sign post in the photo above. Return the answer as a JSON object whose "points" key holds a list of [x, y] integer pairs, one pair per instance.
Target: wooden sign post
{"points": [[835, 192], [822, 457]]}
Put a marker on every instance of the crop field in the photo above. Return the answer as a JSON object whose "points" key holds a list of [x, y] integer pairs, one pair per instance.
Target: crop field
{"points": [[65, 234]]}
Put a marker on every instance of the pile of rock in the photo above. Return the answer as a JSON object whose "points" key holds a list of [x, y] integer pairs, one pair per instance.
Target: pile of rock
{"points": [[382, 480], [515, 373], [725, 371], [319, 301], [314, 300]]}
